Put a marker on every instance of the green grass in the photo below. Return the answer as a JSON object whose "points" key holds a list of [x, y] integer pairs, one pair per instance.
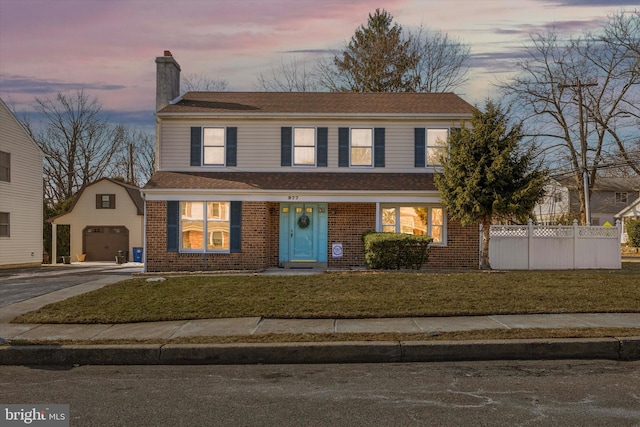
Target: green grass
{"points": [[351, 295]]}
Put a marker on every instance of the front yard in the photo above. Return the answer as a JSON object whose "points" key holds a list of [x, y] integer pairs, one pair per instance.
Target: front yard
{"points": [[351, 295]]}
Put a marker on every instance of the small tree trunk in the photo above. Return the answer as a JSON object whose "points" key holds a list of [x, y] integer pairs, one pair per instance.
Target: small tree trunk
{"points": [[486, 229]]}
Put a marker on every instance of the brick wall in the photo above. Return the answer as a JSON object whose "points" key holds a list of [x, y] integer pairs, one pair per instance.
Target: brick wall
{"points": [[347, 222], [461, 252]]}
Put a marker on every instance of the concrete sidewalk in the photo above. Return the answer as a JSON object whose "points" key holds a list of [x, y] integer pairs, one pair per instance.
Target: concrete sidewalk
{"points": [[610, 348]]}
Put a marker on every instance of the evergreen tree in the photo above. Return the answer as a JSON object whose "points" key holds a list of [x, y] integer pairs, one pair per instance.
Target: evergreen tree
{"points": [[487, 176], [377, 58]]}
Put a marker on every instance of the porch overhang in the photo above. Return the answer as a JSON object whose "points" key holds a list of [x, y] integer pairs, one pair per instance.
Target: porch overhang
{"points": [[369, 187]]}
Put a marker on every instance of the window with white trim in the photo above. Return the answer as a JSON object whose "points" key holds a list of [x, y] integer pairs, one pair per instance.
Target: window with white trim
{"points": [[204, 226], [418, 220], [436, 147], [622, 197], [105, 201], [5, 166], [304, 146], [4, 224], [361, 147], [213, 146]]}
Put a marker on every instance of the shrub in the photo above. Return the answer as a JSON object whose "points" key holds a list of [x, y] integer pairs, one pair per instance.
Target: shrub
{"points": [[395, 251], [633, 231]]}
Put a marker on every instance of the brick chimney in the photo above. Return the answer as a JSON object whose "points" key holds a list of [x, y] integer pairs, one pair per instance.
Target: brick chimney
{"points": [[167, 80]]}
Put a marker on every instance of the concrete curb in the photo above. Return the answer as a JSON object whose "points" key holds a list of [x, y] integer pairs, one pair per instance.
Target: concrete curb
{"points": [[624, 349]]}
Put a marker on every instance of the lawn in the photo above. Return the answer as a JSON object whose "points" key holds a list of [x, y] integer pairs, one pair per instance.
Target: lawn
{"points": [[351, 295]]}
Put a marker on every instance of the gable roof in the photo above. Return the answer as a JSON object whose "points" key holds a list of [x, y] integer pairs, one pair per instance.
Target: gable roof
{"points": [[633, 206], [298, 181], [334, 103], [133, 192]]}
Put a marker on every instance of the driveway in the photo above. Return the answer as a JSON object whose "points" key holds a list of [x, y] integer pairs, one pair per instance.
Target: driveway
{"points": [[21, 284]]}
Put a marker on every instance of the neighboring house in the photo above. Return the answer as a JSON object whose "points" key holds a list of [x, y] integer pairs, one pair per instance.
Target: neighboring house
{"points": [[21, 194], [631, 212], [107, 216], [248, 181], [608, 197]]}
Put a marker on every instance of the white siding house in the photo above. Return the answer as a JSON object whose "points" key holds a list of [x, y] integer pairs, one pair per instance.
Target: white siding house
{"points": [[20, 194]]}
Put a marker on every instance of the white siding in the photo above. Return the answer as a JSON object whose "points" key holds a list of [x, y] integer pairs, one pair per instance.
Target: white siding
{"points": [[85, 214], [259, 142], [22, 197]]}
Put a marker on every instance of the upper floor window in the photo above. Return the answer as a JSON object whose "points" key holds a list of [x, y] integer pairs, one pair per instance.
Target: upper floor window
{"points": [[417, 220], [361, 147], [4, 224], [213, 146], [105, 201], [622, 197], [304, 146], [436, 145], [5, 166]]}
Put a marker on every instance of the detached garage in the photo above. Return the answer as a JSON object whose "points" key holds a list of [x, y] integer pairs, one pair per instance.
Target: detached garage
{"points": [[105, 220]]}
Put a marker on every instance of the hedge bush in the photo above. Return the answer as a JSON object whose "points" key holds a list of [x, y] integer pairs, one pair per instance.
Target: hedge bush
{"points": [[390, 251], [633, 231]]}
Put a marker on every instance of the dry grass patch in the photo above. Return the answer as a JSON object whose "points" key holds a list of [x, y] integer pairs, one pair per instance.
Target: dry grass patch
{"points": [[477, 335], [351, 295]]}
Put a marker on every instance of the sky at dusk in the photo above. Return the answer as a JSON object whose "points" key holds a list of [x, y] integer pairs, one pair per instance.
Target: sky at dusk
{"points": [[107, 47]]}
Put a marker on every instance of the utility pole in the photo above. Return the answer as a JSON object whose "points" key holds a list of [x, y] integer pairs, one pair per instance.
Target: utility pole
{"points": [[583, 145]]}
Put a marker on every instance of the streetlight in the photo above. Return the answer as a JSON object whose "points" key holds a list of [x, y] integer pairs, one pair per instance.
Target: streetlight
{"points": [[583, 144]]}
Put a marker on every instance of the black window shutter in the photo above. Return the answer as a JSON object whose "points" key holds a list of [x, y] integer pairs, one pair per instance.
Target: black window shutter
{"points": [[419, 148], [343, 147], [112, 201], [323, 142], [196, 146], [235, 232], [173, 229], [285, 146], [232, 146], [378, 147]]}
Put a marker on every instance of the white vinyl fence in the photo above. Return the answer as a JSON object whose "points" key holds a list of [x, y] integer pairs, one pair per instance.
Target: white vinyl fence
{"points": [[540, 247]]}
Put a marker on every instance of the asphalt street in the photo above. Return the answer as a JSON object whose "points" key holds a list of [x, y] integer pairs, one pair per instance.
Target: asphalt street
{"points": [[507, 393]]}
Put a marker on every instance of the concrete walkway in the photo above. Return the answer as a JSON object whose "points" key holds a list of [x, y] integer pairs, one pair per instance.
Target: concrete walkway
{"points": [[620, 349]]}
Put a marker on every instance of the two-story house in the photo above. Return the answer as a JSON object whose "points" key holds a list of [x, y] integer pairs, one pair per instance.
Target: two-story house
{"points": [[21, 194], [608, 196], [256, 180]]}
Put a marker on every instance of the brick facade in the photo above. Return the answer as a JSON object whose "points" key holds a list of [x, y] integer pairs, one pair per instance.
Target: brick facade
{"points": [[260, 241], [347, 222]]}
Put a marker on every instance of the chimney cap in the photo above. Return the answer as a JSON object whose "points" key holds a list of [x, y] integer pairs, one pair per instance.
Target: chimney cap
{"points": [[167, 53]]}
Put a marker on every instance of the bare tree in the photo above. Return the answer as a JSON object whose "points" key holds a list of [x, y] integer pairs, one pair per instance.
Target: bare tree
{"points": [[202, 83], [135, 162], [443, 62], [78, 142], [294, 75], [582, 95]]}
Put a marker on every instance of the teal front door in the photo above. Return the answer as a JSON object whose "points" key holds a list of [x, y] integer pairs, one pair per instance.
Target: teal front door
{"points": [[303, 232]]}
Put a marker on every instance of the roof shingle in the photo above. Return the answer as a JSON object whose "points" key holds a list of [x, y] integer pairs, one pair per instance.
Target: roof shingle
{"points": [[319, 103]]}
